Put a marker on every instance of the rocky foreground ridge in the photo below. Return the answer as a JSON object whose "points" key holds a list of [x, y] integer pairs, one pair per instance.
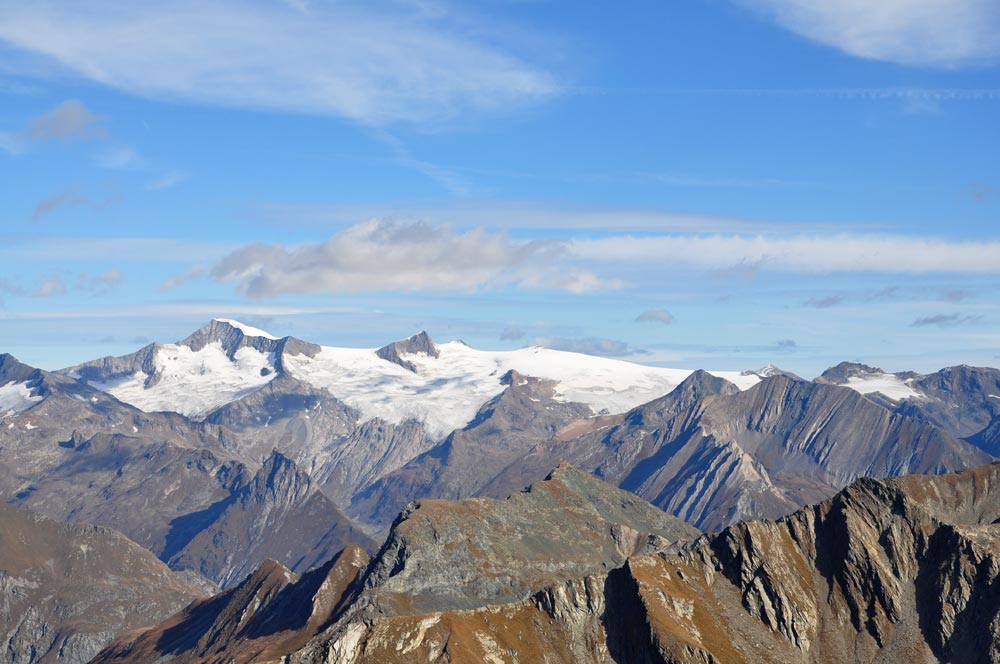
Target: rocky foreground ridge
{"points": [[903, 569]]}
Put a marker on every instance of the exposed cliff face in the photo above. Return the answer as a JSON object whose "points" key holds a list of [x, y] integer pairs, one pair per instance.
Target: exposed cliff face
{"points": [[67, 589]]}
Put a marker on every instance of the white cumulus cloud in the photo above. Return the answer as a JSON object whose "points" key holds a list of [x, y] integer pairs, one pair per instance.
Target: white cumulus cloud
{"points": [[382, 255]]}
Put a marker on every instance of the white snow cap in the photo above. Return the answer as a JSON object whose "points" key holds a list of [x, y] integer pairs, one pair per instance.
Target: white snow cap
{"points": [[246, 329], [444, 393]]}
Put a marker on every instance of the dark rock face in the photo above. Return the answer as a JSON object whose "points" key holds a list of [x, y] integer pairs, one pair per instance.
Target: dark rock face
{"points": [[418, 343], [279, 514], [286, 414], [112, 368], [716, 458], [67, 589], [901, 570], [988, 440], [440, 555], [504, 429], [13, 371], [346, 466], [958, 399], [232, 338], [840, 374]]}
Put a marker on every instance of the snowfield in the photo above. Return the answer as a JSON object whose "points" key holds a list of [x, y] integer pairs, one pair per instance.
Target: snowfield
{"points": [[15, 398], [444, 394], [446, 391], [194, 383]]}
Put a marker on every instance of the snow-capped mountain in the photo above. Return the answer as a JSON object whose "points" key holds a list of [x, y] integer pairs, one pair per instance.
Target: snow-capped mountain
{"points": [[440, 385]]}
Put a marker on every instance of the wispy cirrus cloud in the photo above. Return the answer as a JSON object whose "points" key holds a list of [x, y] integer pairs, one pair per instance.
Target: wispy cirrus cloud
{"points": [[913, 32], [376, 62], [68, 198], [167, 181], [141, 249], [945, 320], [196, 271], [119, 158], [382, 255], [101, 283], [824, 302], [528, 214], [815, 254], [511, 333]]}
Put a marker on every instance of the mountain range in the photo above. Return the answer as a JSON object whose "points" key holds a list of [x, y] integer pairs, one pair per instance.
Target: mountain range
{"points": [[233, 447], [885, 571]]}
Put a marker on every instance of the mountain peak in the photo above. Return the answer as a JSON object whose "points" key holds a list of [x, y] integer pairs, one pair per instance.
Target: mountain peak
{"points": [[418, 343], [842, 372], [231, 334], [13, 370], [248, 330]]}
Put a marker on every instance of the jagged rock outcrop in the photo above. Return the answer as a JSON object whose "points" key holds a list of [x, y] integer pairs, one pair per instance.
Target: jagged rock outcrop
{"points": [[67, 589], [418, 343], [279, 514], [229, 336]]}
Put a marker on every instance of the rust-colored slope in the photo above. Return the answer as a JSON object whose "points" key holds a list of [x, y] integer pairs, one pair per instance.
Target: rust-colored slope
{"points": [[272, 612]]}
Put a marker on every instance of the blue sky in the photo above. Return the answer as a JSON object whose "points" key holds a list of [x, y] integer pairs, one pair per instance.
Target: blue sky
{"points": [[716, 184]]}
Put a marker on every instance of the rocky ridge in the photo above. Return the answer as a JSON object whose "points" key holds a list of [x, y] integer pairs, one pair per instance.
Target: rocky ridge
{"points": [[903, 569]]}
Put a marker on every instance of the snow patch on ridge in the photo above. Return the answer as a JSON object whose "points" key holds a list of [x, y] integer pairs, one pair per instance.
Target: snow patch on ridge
{"points": [[247, 329], [890, 385], [15, 398]]}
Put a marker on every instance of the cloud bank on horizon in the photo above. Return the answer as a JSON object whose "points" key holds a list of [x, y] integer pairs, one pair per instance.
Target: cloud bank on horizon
{"points": [[515, 174]]}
